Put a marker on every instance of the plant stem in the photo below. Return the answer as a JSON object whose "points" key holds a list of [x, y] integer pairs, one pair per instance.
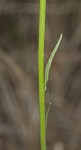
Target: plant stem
{"points": [[41, 73]]}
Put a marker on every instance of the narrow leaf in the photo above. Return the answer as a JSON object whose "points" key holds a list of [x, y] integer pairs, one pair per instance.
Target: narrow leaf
{"points": [[48, 65]]}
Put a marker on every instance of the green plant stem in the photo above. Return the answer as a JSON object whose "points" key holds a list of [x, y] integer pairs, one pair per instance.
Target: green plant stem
{"points": [[41, 73]]}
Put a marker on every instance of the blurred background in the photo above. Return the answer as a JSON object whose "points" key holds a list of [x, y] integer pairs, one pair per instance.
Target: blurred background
{"points": [[19, 114]]}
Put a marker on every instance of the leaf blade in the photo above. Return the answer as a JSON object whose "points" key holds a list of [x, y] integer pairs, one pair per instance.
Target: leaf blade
{"points": [[48, 65]]}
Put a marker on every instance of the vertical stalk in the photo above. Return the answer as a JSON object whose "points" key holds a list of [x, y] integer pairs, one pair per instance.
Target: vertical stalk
{"points": [[41, 73]]}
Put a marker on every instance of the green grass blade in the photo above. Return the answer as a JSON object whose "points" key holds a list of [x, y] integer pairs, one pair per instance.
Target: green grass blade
{"points": [[48, 65]]}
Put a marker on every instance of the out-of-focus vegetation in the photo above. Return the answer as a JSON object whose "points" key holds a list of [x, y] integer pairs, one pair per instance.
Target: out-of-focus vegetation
{"points": [[19, 115]]}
